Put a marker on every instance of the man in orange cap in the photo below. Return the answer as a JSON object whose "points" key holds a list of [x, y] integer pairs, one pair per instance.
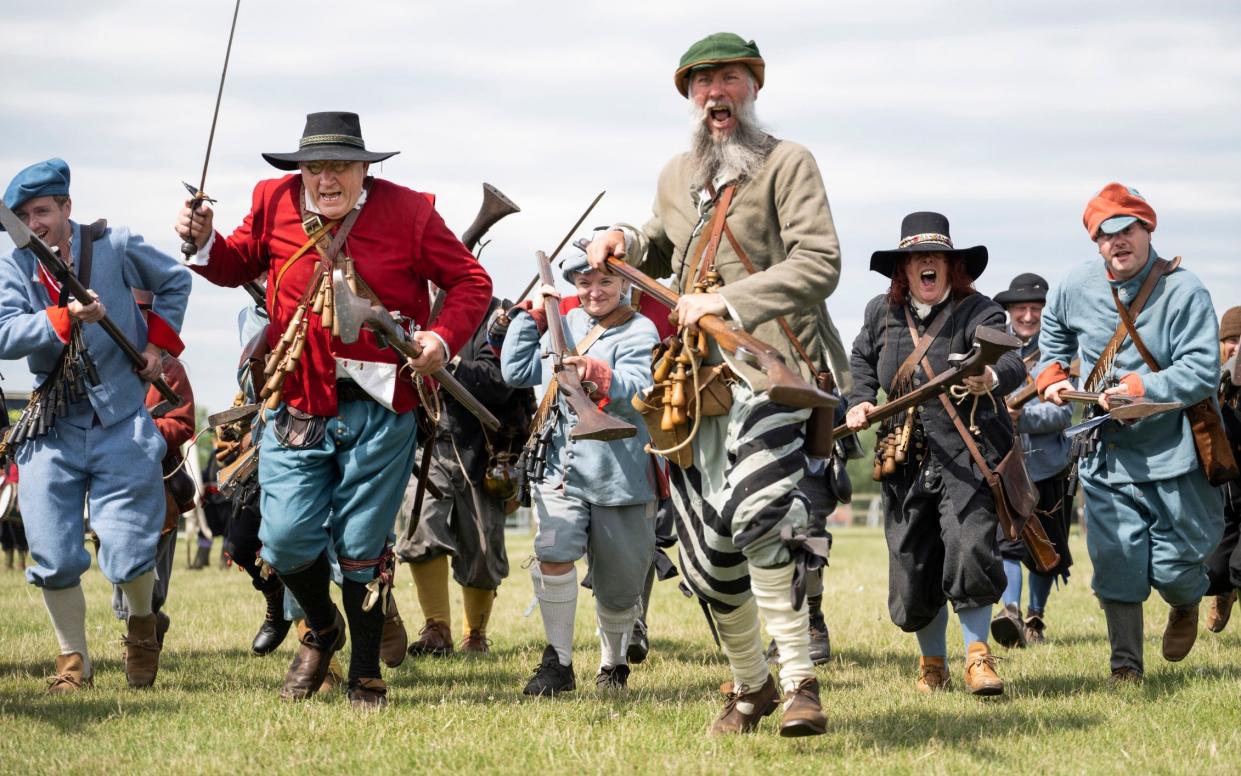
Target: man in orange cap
{"points": [[1151, 515]]}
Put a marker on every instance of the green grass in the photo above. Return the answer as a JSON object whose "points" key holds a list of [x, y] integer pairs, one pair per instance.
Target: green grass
{"points": [[214, 708]]}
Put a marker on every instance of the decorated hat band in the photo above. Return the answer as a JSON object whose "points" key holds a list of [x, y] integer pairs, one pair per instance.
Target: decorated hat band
{"points": [[926, 237], [314, 140]]}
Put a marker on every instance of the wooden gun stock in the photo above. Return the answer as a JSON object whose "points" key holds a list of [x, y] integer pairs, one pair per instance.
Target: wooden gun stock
{"points": [[1023, 395], [1039, 544], [781, 384], [592, 422], [989, 345]]}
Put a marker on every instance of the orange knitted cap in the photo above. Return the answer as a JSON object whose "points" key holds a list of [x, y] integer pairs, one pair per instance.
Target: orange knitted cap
{"points": [[1117, 201]]}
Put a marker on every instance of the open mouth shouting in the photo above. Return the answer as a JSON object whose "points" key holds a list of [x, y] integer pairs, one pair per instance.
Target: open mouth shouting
{"points": [[927, 278], [720, 117]]}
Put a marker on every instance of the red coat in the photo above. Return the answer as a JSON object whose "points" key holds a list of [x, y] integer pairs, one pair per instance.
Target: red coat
{"points": [[176, 425], [398, 244]]}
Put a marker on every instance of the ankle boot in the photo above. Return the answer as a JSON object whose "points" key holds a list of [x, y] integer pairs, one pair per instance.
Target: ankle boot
{"points": [[201, 557], [310, 665], [275, 627]]}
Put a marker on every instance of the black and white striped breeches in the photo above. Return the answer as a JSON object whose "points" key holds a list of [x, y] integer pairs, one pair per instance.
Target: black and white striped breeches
{"points": [[742, 489]]}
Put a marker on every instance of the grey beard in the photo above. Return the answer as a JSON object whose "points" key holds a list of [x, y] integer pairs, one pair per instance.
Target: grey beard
{"points": [[733, 158]]}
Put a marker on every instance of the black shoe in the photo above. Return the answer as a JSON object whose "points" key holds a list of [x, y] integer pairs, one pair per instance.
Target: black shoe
{"points": [[639, 644], [1007, 627], [201, 558], [274, 628], [612, 678], [551, 678], [820, 641]]}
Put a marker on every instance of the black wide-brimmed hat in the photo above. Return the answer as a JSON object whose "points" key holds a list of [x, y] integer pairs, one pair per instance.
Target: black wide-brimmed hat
{"points": [[1026, 287], [926, 232], [328, 137]]}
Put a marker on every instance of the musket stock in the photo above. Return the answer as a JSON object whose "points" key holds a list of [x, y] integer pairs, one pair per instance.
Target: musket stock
{"points": [[782, 384], [353, 312], [989, 345], [592, 422]]}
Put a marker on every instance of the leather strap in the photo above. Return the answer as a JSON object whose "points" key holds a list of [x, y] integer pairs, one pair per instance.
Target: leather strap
{"points": [[85, 253], [709, 243], [311, 240], [921, 346], [966, 437], [1108, 355]]}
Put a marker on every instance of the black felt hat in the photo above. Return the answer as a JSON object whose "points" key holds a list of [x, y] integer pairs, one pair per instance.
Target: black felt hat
{"points": [[329, 136], [926, 232], [1026, 287]]}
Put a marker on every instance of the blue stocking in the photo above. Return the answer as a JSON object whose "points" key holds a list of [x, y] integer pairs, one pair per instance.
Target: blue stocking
{"points": [[1012, 593], [933, 637], [975, 624]]}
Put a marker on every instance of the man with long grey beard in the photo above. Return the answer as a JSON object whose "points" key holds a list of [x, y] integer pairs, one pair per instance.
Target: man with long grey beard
{"points": [[774, 257]]}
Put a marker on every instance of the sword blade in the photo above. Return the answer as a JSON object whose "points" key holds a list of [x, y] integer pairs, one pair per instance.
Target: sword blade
{"points": [[218, 96]]}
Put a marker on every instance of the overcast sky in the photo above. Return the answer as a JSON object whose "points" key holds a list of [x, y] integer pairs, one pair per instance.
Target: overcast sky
{"points": [[1006, 117]]}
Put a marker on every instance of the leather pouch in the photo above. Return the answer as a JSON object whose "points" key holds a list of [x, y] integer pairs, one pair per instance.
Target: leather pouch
{"points": [[297, 430], [1218, 462]]}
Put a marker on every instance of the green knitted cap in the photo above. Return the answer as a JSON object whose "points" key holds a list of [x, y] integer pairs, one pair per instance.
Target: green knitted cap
{"points": [[719, 49]]}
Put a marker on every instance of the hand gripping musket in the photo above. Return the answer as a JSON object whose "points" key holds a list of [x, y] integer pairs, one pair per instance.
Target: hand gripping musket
{"points": [[1123, 407], [592, 422], [24, 238], [781, 384], [188, 247], [1023, 395], [989, 345], [353, 312]]}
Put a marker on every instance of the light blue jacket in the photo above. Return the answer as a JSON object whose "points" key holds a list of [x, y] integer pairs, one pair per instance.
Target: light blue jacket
{"points": [[1042, 426], [616, 473], [120, 262], [1178, 326]]}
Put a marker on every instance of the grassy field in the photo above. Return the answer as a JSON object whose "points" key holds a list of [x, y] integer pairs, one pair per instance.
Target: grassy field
{"points": [[214, 708]]}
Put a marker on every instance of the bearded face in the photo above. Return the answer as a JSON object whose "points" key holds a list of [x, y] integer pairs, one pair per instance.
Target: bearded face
{"points": [[727, 142]]}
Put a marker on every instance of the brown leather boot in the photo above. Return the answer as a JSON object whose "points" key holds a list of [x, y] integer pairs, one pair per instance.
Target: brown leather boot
{"points": [[70, 675], [395, 640], [1007, 628], [1220, 611], [475, 642], [980, 675], [1035, 628], [744, 708], [434, 639], [803, 714], [368, 694], [141, 650], [932, 674], [314, 655], [1181, 632]]}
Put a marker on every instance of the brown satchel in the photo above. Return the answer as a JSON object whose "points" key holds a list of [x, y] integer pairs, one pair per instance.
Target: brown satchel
{"points": [[1210, 439]]}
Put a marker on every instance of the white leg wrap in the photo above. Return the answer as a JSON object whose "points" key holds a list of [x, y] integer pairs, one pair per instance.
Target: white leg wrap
{"points": [[743, 644], [558, 603], [67, 609], [790, 628], [615, 628]]}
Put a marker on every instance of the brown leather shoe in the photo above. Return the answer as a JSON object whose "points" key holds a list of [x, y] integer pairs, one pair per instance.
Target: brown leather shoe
{"points": [[70, 675], [395, 640], [1220, 611], [475, 642], [932, 674], [335, 676], [310, 665], [1181, 632], [162, 623], [744, 708], [368, 694], [434, 639], [1034, 629], [803, 714], [980, 675], [141, 651], [1007, 628]]}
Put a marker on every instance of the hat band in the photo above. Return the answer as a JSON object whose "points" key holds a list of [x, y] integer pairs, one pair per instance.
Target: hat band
{"points": [[314, 140], [926, 237]]}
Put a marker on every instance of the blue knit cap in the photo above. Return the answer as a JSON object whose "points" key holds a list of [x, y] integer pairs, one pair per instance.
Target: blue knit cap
{"points": [[45, 179]]}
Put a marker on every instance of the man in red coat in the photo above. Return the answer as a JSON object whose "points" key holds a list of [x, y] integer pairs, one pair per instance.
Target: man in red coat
{"points": [[338, 449]]}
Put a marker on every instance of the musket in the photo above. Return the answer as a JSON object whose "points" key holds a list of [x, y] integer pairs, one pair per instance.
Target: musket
{"points": [[1123, 407], [188, 246], [1023, 395], [24, 238], [779, 382], [989, 345], [353, 312], [592, 422]]}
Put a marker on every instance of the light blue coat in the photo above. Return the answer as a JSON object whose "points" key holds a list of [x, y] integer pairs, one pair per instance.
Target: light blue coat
{"points": [[1041, 427], [121, 261], [615, 473], [1178, 326]]}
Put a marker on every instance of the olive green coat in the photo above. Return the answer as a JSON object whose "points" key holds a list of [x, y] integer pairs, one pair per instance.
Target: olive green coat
{"points": [[782, 221]]}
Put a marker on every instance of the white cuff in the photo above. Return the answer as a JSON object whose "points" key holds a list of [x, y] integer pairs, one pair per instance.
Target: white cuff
{"points": [[203, 255], [443, 344]]}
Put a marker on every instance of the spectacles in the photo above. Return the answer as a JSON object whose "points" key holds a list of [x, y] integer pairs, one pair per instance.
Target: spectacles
{"points": [[338, 166]]}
